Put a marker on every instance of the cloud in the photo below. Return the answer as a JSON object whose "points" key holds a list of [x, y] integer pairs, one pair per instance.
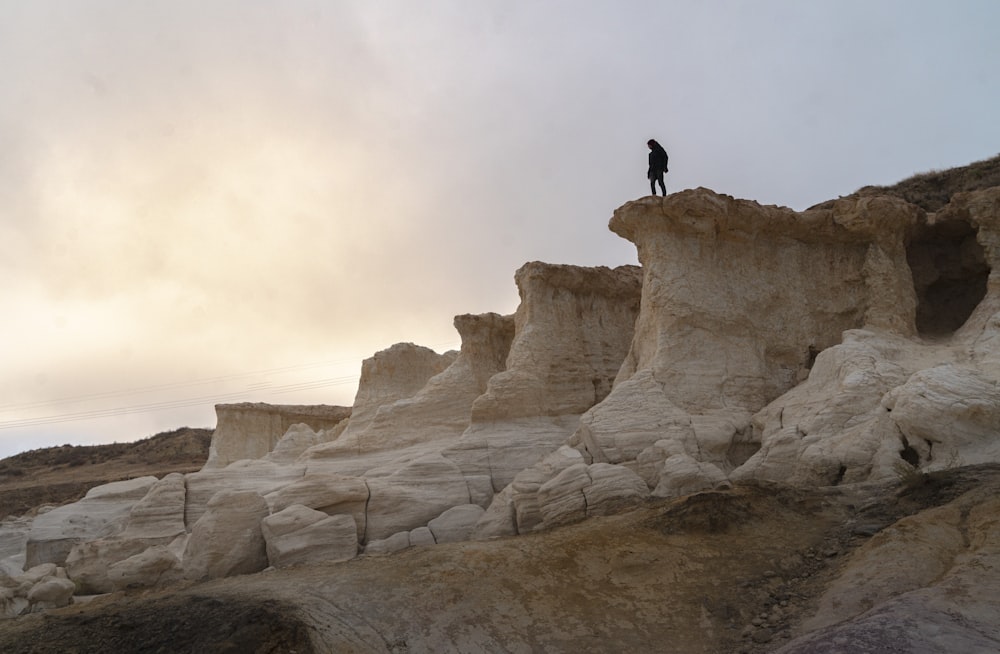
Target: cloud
{"points": [[195, 190]]}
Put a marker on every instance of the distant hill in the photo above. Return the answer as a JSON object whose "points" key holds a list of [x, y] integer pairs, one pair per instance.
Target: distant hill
{"points": [[57, 475]]}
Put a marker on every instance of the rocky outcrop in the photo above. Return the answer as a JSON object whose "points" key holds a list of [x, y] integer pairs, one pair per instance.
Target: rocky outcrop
{"points": [[881, 400], [227, 539], [838, 345], [101, 513], [297, 535], [571, 332], [157, 565], [41, 587], [251, 430], [737, 299], [410, 395], [927, 583]]}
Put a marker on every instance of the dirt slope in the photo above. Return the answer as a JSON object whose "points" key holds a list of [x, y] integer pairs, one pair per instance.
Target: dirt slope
{"points": [[57, 475]]}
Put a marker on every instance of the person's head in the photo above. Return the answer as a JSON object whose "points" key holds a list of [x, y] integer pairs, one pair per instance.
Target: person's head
{"points": [[650, 143]]}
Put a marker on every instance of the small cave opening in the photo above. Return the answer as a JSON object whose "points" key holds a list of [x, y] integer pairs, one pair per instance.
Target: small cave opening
{"points": [[909, 455], [949, 275]]}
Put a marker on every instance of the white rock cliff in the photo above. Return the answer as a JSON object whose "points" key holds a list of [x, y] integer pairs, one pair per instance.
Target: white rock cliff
{"points": [[822, 347]]}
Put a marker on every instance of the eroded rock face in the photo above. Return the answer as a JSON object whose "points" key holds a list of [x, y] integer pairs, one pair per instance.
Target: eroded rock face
{"points": [[251, 430], [150, 568], [414, 495], [755, 343], [880, 400], [391, 375], [928, 583], [402, 406], [330, 494], [298, 534], [102, 512], [227, 539], [572, 329], [737, 298]]}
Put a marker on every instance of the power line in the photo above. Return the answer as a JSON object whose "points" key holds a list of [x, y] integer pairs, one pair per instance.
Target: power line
{"points": [[263, 386], [7, 408], [11, 408], [167, 404]]}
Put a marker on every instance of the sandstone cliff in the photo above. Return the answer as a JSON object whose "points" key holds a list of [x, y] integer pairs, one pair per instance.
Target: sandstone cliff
{"points": [[848, 344], [251, 430]]}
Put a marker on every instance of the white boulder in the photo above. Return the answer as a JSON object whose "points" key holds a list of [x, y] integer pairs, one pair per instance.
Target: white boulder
{"points": [[456, 523], [102, 512], [298, 534], [153, 567], [227, 539]]}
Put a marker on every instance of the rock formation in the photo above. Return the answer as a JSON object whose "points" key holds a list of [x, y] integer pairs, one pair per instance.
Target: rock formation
{"points": [[251, 430], [842, 344]]}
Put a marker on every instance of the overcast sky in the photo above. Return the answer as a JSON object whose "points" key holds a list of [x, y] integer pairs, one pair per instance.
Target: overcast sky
{"points": [[239, 200]]}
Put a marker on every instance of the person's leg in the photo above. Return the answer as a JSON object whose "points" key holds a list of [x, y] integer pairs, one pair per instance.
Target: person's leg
{"points": [[663, 187], [652, 185]]}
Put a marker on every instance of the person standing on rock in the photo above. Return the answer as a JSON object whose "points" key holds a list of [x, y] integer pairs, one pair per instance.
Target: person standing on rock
{"points": [[657, 166]]}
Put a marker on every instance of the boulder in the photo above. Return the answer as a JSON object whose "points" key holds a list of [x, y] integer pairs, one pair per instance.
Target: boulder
{"points": [[455, 524], [262, 477], [398, 541], [227, 539], [88, 562], [612, 487], [527, 483], [153, 567], [11, 605], [414, 495], [102, 512], [561, 499], [683, 475], [421, 536], [159, 515], [949, 414], [51, 593], [298, 534], [499, 518], [330, 493]]}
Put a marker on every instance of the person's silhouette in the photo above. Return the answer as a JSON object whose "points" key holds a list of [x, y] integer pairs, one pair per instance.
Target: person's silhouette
{"points": [[657, 166]]}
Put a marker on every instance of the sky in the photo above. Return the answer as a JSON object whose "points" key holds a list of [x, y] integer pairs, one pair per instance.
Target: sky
{"points": [[240, 200]]}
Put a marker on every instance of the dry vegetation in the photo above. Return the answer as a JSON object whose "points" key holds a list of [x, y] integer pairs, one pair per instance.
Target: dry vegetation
{"points": [[933, 190], [57, 475]]}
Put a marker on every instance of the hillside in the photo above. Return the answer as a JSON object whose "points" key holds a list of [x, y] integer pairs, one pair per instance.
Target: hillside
{"points": [[932, 190], [57, 475]]}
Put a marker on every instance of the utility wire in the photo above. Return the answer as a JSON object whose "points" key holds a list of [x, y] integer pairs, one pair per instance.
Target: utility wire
{"points": [[264, 386], [167, 404]]}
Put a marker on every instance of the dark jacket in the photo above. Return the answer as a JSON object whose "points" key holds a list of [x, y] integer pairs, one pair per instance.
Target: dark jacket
{"points": [[657, 161]]}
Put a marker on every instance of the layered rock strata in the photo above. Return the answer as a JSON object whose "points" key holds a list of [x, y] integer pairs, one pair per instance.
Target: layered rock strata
{"points": [[251, 430], [836, 345]]}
